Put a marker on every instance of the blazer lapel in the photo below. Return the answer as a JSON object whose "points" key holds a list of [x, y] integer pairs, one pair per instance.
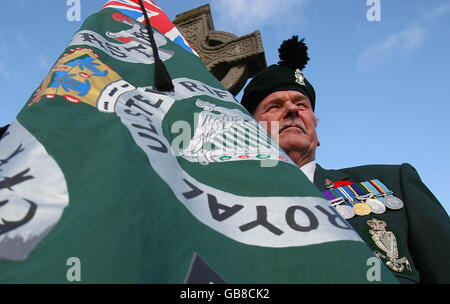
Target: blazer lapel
{"points": [[321, 174]]}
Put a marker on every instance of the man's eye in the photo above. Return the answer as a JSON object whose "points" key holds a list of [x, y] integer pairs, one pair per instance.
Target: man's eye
{"points": [[301, 105]]}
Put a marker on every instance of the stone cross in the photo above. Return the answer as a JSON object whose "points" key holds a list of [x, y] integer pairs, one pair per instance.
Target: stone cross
{"points": [[231, 59]]}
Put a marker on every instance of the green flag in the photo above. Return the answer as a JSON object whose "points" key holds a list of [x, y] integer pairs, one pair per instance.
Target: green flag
{"points": [[104, 179]]}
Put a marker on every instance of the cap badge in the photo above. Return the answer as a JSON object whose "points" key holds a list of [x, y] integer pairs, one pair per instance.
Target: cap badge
{"points": [[299, 78]]}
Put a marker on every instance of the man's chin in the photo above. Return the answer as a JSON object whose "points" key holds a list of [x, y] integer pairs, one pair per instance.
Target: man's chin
{"points": [[292, 134], [291, 142]]}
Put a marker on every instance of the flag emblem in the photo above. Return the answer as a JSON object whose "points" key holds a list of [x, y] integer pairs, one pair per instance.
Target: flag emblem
{"points": [[82, 77], [27, 216], [222, 131]]}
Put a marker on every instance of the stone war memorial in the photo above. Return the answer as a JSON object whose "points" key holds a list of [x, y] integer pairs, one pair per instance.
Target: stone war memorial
{"points": [[231, 59]]}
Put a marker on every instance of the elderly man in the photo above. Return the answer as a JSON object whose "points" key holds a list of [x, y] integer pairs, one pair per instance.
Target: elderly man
{"points": [[388, 205]]}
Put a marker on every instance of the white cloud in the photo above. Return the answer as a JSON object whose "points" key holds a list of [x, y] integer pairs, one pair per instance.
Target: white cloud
{"points": [[249, 15], [435, 13], [403, 41]]}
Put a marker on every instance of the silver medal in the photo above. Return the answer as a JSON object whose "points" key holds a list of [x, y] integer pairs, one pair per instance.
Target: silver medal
{"points": [[393, 202], [376, 205], [347, 212]]}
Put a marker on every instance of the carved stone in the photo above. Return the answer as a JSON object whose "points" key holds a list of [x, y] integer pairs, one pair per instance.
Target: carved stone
{"points": [[231, 59]]}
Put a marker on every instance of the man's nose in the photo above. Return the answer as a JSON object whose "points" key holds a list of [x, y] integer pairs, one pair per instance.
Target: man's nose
{"points": [[290, 109]]}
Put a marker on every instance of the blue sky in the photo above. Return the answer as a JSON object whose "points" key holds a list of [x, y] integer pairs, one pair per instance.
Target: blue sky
{"points": [[383, 93]]}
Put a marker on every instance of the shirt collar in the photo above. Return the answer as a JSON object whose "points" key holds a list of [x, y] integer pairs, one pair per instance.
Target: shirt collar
{"points": [[309, 170]]}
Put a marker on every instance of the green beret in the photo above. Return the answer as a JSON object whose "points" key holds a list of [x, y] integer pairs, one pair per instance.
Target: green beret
{"points": [[284, 76]]}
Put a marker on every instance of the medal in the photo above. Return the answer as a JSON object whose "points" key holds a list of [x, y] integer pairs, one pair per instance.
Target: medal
{"points": [[371, 199], [361, 208], [345, 211], [377, 206], [342, 207], [393, 202], [389, 200]]}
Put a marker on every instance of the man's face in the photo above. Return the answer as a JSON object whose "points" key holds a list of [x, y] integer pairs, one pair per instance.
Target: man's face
{"points": [[297, 123]]}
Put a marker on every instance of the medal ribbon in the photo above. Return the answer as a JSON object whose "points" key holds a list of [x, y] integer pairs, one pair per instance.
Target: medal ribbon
{"points": [[332, 197], [350, 192], [374, 190], [341, 183], [356, 190], [367, 192], [343, 195], [362, 188], [340, 200], [382, 188]]}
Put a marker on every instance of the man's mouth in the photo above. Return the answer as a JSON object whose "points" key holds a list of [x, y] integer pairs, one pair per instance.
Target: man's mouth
{"points": [[293, 124]]}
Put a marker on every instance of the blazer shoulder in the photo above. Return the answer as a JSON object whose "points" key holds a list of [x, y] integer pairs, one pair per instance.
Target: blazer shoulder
{"points": [[391, 174], [375, 169]]}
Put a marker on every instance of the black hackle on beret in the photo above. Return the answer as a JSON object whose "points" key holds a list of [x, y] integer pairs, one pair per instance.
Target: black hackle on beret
{"points": [[293, 53]]}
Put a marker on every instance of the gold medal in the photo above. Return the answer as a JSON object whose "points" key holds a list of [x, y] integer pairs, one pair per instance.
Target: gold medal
{"points": [[362, 209]]}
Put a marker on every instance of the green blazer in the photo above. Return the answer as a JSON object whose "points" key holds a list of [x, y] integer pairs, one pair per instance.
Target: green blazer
{"points": [[421, 227]]}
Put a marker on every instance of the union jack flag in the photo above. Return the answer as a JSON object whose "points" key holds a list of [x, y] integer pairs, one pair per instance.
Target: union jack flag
{"points": [[158, 19]]}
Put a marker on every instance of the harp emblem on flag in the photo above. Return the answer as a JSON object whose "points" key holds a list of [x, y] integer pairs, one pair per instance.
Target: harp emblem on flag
{"points": [[224, 134]]}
